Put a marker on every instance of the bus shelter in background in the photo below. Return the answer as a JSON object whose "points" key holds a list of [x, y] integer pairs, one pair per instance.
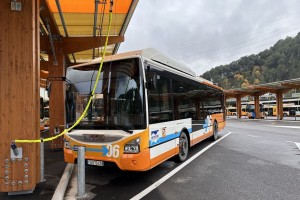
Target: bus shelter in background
{"points": [[277, 88]]}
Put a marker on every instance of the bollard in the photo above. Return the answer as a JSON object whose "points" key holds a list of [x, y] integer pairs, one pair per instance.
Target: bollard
{"points": [[42, 161], [81, 172]]}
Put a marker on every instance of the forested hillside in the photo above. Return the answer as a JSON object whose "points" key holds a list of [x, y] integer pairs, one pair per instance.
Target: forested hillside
{"points": [[280, 62]]}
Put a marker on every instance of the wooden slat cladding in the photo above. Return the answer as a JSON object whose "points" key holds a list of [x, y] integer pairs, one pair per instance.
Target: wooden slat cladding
{"points": [[57, 97], [19, 94]]}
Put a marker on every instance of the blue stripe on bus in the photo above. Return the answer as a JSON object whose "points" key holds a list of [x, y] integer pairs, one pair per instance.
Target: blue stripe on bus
{"points": [[169, 137], [104, 150]]}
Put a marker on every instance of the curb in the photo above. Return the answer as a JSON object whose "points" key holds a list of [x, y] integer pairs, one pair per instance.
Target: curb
{"points": [[63, 183]]}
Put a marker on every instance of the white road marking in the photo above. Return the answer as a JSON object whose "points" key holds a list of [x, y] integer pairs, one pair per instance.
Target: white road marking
{"points": [[177, 169], [298, 145], [277, 120], [290, 141], [254, 136], [296, 127]]}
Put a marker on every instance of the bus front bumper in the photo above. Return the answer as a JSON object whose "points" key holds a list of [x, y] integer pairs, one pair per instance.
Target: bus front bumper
{"points": [[126, 162]]}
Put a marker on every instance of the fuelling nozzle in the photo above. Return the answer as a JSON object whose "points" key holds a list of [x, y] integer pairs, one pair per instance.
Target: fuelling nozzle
{"points": [[13, 146]]}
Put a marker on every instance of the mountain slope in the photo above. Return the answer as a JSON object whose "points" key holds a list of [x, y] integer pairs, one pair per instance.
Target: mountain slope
{"points": [[280, 62]]}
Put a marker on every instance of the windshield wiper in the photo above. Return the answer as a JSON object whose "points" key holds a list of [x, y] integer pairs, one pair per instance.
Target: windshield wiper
{"points": [[124, 128]]}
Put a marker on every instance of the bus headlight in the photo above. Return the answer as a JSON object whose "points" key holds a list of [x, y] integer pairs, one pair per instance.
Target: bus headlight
{"points": [[133, 146]]}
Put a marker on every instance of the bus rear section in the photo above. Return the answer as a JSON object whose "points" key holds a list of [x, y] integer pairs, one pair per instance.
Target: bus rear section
{"points": [[183, 111]]}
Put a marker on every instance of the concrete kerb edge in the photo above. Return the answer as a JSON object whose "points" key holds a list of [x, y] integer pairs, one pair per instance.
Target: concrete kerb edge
{"points": [[63, 183]]}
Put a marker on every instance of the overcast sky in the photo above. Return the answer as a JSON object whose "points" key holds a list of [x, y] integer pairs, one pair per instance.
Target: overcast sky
{"points": [[206, 33]]}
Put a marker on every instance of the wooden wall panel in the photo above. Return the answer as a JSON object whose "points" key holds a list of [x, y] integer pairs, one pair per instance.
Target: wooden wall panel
{"points": [[19, 94]]}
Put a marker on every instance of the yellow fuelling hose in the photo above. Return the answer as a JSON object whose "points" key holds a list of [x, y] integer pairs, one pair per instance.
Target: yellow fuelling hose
{"points": [[90, 99]]}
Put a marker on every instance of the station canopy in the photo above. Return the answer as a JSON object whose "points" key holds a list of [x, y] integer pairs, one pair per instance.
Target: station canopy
{"points": [[274, 87], [84, 18]]}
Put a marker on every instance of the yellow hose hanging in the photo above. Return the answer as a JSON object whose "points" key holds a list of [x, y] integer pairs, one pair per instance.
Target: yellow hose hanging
{"points": [[90, 99]]}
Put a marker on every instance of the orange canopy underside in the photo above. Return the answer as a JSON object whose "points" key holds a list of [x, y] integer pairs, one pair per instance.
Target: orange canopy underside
{"points": [[79, 21], [88, 6]]}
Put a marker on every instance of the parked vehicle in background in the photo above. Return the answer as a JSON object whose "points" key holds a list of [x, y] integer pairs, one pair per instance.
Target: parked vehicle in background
{"points": [[231, 111], [251, 111]]}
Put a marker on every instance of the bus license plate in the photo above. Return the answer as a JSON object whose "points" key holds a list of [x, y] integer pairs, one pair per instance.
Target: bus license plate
{"points": [[95, 162]]}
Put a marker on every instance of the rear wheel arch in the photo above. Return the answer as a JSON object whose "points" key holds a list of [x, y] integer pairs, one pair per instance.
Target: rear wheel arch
{"points": [[214, 137], [187, 134], [184, 145]]}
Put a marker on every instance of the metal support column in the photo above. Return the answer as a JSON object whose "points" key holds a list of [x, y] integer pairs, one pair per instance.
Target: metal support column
{"points": [[81, 172], [42, 161]]}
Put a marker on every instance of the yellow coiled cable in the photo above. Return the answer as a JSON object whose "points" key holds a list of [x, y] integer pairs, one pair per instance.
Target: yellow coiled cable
{"points": [[90, 99]]}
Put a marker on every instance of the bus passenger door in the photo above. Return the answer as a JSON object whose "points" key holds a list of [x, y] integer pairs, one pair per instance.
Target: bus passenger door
{"points": [[162, 133]]}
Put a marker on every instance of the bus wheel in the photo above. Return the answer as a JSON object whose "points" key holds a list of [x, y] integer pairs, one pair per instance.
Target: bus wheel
{"points": [[214, 137], [183, 147]]}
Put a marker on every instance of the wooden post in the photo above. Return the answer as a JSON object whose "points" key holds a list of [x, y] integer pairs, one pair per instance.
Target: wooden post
{"points": [[257, 107], [57, 97], [19, 95], [238, 106], [279, 105]]}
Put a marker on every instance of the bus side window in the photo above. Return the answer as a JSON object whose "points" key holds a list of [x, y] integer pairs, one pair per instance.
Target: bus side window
{"points": [[184, 99], [159, 98]]}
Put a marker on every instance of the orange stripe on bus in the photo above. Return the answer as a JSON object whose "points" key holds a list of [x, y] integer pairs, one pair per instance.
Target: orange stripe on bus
{"points": [[201, 138], [135, 162], [209, 84], [162, 157]]}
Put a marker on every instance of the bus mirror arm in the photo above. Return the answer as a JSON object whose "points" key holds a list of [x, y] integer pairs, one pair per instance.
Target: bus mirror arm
{"points": [[59, 78], [48, 87], [150, 85], [151, 80]]}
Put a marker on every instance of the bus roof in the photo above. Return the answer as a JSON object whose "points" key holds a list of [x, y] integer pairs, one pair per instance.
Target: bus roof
{"points": [[154, 56], [150, 54]]}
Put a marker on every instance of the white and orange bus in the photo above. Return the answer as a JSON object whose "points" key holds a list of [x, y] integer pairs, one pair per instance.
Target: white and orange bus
{"points": [[147, 108]]}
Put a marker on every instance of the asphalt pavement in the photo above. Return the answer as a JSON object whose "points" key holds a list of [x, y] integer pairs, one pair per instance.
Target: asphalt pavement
{"points": [[258, 159]]}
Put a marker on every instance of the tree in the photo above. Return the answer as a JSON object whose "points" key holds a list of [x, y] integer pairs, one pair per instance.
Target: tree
{"points": [[280, 62]]}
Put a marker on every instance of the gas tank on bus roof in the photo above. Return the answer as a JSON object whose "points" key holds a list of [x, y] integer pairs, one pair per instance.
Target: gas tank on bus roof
{"points": [[149, 53], [157, 56]]}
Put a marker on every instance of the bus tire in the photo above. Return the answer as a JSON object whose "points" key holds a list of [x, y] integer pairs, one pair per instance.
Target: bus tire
{"points": [[214, 137], [183, 147]]}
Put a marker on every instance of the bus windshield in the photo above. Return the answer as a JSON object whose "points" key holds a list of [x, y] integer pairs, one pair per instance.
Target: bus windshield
{"points": [[118, 102]]}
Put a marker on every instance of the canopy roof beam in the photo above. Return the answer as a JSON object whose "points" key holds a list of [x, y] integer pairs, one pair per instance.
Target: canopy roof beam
{"points": [[61, 15], [77, 44], [291, 85], [264, 88]]}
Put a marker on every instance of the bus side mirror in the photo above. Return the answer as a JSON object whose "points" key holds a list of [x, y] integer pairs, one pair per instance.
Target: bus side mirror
{"points": [[48, 88], [151, 80], [50, 79]]}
